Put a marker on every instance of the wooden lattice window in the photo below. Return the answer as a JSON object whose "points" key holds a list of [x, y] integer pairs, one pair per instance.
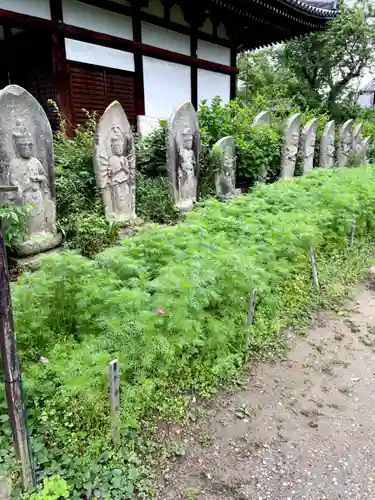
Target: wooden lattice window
{"points": [[94, 88]]}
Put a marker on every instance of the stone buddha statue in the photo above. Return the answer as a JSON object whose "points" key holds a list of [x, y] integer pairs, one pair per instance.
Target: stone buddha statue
{"points": [[117, 176], [227, 176], [187, 184], [292, 147], [27, 173]]}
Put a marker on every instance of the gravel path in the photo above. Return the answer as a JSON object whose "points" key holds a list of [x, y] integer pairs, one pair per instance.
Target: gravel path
{"points": [[305, 426]]}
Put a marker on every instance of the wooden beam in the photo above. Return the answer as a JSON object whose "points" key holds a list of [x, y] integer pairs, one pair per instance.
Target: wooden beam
{"points": [[194, 69], [138, 62], [7, 51], [233, 77], [60, 69], [102, 39], [55, 7]]}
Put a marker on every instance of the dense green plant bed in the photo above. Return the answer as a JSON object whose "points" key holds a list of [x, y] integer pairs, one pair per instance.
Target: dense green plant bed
{"points": [[171, 306]]}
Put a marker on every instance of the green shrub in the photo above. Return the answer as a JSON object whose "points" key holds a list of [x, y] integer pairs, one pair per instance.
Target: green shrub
{"points": [[258, 148], [80, 213], [171, 304], [154, 201], [13, 219], [54, 488], [259, 155], [151, 152]]}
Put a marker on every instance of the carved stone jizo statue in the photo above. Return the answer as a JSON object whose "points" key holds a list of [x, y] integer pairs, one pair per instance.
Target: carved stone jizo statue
{"points": [[290, 148], [183, 146], [357, 139], [225, 178], [345, 144], [27, 162], [262, 118], [308, 137], [327, 146], [114, 164], [27, 173], [186, 165]]}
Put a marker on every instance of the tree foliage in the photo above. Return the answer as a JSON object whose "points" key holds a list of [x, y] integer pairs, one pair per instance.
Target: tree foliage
{"points": [[319, 70]]}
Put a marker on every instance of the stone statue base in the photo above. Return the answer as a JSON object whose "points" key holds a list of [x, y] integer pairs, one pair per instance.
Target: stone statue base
{"points": [[185, 206], [38, 244], [33, 262], [230, 196], [131, 228], [121, 221]]}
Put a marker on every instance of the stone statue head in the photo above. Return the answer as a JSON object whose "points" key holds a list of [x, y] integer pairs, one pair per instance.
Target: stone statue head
{"points": [[117, 142], [23, 141], [187, 138]]}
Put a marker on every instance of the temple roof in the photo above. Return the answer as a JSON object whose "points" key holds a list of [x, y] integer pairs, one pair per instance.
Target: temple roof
{"points": [[322, 8], [257, 23]]}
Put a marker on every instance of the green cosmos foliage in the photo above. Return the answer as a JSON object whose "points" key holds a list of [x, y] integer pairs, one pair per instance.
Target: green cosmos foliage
{"points": [[171, 305]]}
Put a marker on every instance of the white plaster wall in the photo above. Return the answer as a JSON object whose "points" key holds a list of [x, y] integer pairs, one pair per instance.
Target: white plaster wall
{"points": [[366, 100], [166, 85], [165, 39], [146, 124], [211, 84], [93, 18], [212, 52], [100, 56], [37, 8]]}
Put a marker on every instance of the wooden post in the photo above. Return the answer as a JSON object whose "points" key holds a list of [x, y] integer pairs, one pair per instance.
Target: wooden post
{"points": [[313, 267], [11, 370], [114, 394], [352, 234], [250, 316]]}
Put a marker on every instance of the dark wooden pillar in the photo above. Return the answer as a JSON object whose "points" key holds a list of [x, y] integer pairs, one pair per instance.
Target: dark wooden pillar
{"points": [[60, 67], [7, 42], [194, 69], [138, 61], [233, 76]]}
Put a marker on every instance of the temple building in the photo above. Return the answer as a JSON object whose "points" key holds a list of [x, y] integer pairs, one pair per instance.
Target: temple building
{"points": [[148, 54]]}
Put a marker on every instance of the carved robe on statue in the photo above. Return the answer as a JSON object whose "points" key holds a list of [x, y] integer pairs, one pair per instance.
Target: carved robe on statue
{"points": [[186, 178], [117, 177], [28, 174]]}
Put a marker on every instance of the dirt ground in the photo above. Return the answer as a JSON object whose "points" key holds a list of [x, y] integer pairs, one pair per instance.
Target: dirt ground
{"points": [[304, 427]]}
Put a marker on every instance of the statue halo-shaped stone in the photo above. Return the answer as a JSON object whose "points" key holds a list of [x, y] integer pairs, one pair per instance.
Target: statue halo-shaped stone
{"points": [[115, 164], [183, 147], [290, 146], [26, 161], [262, 118], [327, 146]]}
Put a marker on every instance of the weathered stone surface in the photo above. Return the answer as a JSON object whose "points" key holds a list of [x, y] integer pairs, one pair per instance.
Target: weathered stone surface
{"points": [[183, 146], [345, 143], [357, 139], [363, 151], [308, 137], [327, 146], [225, 178], [290, 148], [26, 161], [262, 118], [32, 262], [114, 164]]}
